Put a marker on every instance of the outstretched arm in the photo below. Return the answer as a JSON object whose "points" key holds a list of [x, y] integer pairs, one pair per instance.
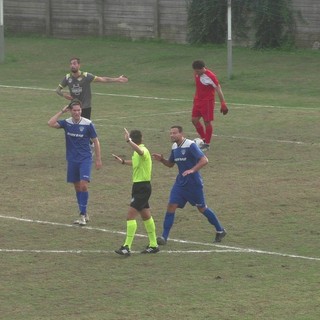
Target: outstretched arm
{"points": [[121, 79], [133, 145], [159, 157], [121, 160]]}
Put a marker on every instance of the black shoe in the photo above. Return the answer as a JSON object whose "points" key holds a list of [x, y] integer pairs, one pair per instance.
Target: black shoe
{"points": [[205, 147], [124, 251], [161, 241], [151, 250], [220, 236]]}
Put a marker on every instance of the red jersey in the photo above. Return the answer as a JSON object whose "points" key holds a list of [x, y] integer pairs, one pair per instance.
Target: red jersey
{"points": [[205, 85]]}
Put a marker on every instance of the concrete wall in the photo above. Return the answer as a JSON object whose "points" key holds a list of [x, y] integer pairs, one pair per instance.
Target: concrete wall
{"points": [[308, 34], [134, 19]]}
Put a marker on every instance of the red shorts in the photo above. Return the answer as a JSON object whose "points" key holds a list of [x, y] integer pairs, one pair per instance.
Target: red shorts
{"points": [[204, 109]]}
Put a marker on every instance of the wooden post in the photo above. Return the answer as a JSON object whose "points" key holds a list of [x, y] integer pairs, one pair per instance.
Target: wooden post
{"points": [[101, 18], [156, 19], [48, 18]]}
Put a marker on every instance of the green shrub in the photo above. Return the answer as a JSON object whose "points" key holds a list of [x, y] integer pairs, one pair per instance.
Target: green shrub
{"points": [[272, 21]]}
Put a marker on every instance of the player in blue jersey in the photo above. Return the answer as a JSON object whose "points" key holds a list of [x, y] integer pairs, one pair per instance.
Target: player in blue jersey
{"points": [[188, 186], [78, 133]]}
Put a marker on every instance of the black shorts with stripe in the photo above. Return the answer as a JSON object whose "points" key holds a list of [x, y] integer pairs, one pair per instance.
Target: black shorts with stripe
{"points": [[141, 192]]}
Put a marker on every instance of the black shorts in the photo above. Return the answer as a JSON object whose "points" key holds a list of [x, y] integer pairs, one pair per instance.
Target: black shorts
{"points": [[141, 192], [86, 113]]}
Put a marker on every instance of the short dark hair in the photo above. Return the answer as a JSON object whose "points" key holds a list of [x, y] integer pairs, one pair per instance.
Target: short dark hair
{"points": [[74, 58], [198, 64], [136, 136], [180, 129], [75, 102]]}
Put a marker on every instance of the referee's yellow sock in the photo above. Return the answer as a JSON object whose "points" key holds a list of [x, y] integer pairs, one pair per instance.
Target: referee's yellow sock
{"points": [[131, 231], [151, 230]]}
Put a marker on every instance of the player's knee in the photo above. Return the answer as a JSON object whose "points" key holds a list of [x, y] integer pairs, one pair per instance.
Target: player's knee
{"points": [[202, 209], [172, 207]]}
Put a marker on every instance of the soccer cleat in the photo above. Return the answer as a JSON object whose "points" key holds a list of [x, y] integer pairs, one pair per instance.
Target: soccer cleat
{"points": [[123, 251], [205, 147], [220, 236], [82, 221], [161, 241], [149, 249]]}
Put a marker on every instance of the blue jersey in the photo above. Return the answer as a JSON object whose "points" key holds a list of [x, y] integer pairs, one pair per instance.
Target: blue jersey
{"points": [[186, 156], [78, 137]]}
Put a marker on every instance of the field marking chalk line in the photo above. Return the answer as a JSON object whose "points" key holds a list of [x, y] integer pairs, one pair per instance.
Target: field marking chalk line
{"points": [[156, 98], [110, 251], [238, 105], [221, 248]]}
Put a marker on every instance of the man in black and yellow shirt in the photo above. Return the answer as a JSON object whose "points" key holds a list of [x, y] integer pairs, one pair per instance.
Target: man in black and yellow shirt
{"points": [[79, 84], [141, 163]]}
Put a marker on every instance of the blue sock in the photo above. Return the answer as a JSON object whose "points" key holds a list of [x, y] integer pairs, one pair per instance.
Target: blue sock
{"points": [[212, 218], [84, 196], [167, 224], [78, 193]]}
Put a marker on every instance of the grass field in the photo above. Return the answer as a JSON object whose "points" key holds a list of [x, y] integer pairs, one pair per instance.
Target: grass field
{"points": [[262, 180]]}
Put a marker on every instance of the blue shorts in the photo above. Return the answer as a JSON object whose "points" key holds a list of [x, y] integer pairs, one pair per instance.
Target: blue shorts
{"points": [[180, 195], [78, 171]]}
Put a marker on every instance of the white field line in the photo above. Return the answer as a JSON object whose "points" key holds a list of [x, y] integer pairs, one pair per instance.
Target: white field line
{"points": [[220, 248], [108, 251], [156, 98], [301, 143], [187, 111]]}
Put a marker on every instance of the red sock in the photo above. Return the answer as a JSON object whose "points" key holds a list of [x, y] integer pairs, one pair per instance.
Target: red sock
{"points": [[209, 130], [200, 130]]}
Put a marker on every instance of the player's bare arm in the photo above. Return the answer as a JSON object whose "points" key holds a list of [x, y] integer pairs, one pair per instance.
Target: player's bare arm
{"points": [[201, 163], [97, 152], [63, 94], [133, 145], [224, 108], [53, 122], [122, 79], [121, 160], [159, 157]]}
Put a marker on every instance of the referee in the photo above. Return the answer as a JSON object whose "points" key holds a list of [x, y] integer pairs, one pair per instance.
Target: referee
{"points": [[141, 163]]}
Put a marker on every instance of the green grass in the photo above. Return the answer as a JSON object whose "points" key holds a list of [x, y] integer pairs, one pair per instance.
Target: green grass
{"points": [[262, 180]]}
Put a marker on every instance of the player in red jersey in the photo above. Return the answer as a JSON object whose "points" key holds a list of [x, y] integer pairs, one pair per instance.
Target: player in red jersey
{"points": [[204, 101]]}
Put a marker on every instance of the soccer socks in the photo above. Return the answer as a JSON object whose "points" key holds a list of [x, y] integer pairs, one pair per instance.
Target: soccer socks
{"points": [[151, 230], [167, 224], [82, 198], [131, 231], [132, 228], [205, 132], [200, 129], [209, 130], [212, 218]]}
